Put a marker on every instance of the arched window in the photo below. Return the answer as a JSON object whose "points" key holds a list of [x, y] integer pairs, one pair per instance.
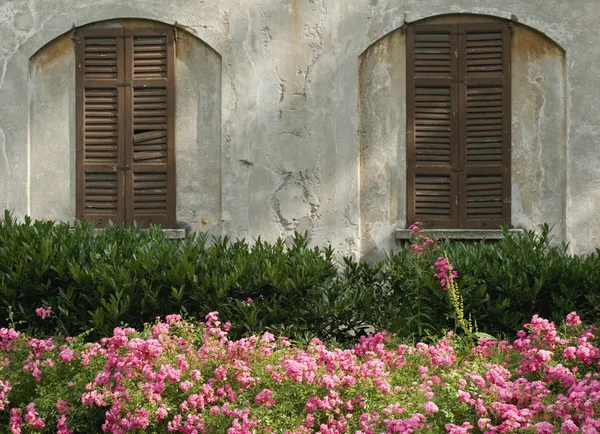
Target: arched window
{"points": [[458, 124], [126, 126]]}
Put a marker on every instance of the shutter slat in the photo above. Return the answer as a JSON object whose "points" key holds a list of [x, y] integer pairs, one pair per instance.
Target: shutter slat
{"points": [[150, 196], [149, 67], [100, 57], [100, 126], [101, 194], [433, 135], [484, 198], [432, 53], [488, 132], [488, 43], [432, 197]]}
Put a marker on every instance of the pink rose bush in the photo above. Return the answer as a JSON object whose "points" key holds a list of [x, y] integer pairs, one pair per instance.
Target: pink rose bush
{"points": [[179, 377]]}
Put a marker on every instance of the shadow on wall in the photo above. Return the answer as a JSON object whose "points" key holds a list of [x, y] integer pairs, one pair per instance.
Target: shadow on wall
{"points": [[538, 156]]}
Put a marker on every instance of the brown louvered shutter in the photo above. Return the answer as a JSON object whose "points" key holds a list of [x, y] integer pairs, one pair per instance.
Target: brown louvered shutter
{"points": [[458, 125], [485, 127], [125, 126], [151, 182], [100, 126], [431, 125]]}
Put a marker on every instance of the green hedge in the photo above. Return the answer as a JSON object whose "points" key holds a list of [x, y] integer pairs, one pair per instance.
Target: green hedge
{"points": [[119, 276], [503, 284]]}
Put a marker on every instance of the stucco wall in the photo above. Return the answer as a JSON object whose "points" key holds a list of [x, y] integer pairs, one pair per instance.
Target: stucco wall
{"points": [[290, 124]]}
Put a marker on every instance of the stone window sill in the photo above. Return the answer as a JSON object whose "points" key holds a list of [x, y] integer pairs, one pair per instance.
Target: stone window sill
{"points": [[459, 234]]}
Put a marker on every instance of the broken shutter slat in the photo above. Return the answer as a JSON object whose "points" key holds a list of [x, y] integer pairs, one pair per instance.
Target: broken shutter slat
{"points": [[152, 184]]}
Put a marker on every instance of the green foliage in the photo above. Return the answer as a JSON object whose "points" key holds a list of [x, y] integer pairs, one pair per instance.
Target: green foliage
{"points": [[119, 276], [503, 284], [100, 280]]}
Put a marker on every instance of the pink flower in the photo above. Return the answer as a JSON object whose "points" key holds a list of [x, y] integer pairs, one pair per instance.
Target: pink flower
{"points": [[445, 273], [186, 385], [569, 427], [455, 429], [66, 355], [544, 428], [43, 312], [573, 319], [430, 407], [265, 397], [62, 425], [16, 421]]}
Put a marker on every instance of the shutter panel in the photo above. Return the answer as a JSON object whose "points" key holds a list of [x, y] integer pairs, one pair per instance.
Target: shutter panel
{"points": [[431, 126], [99, 126], [150, 150], [484, 192]]}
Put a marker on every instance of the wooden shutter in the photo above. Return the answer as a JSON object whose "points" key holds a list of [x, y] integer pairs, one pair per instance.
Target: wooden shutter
{"points": [[484, 189], [151, 182], [100, 126], [125, 126], [431, 125], [458, 125]]}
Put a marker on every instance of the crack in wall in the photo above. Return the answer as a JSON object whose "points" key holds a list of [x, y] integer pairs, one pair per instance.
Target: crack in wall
{"points": [[304, 206]]}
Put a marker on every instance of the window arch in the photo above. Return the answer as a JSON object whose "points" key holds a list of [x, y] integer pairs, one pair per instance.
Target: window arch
{"points": [[458, 113]]}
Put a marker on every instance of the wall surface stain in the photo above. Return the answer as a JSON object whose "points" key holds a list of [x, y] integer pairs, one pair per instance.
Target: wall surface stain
{"points": [[57, 49]]}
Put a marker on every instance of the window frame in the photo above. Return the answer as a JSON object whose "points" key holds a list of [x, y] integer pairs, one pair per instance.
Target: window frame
{"points": [[125, 166], [458, 80]]}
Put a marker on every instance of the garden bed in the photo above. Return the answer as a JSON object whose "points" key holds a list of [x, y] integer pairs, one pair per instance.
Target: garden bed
{"points": [[176, 376]]}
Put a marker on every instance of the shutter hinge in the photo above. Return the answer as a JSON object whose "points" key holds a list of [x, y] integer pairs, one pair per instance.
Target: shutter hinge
{"points": [[507, 200], [511, 28], [124, 84], [456, 80], [75, 37], [457, 169], [125, 36]]}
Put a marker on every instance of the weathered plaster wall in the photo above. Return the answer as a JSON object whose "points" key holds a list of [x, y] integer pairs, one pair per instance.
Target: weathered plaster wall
{"points": [[52, 131], [290, 124], [538, 134], [539, 145], [382, 111]]}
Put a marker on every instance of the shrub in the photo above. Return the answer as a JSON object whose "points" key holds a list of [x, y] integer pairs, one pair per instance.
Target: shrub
{"points": [[502, 284], [176, 376], [125, 276], [128, 277]]}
